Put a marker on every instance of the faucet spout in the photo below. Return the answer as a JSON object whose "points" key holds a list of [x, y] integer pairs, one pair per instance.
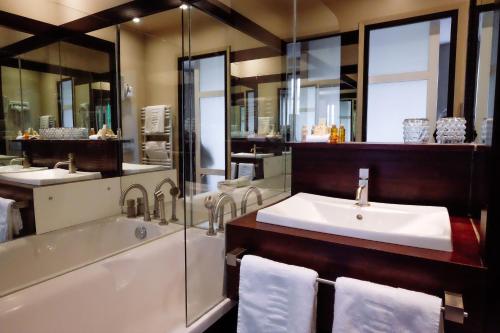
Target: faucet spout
{"points": [[244, 200], [224, 198], [70, 163], [147, 216], [362, 190]]}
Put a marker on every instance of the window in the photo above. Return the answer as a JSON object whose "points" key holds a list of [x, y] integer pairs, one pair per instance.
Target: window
{"points": [[406, 75]]}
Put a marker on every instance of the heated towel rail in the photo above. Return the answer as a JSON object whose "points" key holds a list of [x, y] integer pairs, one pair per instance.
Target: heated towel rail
{"points": [[166, 135], [453, 308]]}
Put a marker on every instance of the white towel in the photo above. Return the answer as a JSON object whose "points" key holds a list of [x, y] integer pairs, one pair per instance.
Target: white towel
{"points": [[156, 150], [246, 170], [233, 170], [154, 121], [10, 220], [362, 306], [276, 297], [317, 138]]}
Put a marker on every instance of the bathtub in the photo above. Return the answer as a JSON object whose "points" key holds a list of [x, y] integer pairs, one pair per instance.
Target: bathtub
{"points": [[30, 260], [140, 290]]}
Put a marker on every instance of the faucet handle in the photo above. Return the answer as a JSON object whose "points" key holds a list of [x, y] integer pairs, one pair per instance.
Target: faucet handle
{"points": [[364, 173]]}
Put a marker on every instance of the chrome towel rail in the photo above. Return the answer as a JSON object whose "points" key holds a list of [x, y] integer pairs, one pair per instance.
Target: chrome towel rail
{"points": [[20, 204], [453, 308]]}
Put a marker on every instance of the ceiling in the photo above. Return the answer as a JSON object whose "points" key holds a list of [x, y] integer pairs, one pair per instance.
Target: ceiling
{"points": [[57, 12]]}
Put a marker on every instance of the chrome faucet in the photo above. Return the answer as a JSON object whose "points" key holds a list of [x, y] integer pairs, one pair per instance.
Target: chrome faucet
{"points": [[24, 161], [219, 209], [362, 191], [147, 216], [244, 200], [174, 192], [70, 163]]}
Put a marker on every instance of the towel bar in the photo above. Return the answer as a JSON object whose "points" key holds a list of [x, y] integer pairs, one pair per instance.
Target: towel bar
{"points": [[453, 308], [20, 204]]}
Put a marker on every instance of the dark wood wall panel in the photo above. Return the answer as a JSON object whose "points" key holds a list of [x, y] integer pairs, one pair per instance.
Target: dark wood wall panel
{"points": [[439, 175], [100, 155]]}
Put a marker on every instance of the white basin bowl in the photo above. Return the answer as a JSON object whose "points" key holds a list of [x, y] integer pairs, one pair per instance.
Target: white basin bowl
{"points": [[419, 226], [251, 155], [49, 177], [18, 168]]}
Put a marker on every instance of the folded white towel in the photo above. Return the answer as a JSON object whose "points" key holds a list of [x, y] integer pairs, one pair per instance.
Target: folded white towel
{"points": [[156, 150], [362, 306], [233, 170], [154, 121], [246, 170], [10, 220], [317, 138], [276, 297]]}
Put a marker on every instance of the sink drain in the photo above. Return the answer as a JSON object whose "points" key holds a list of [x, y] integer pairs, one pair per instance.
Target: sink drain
{"points": [[359, 217], [141, 232]]}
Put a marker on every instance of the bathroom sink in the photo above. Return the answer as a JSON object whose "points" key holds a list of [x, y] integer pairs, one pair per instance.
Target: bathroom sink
{"points": [[131, 168], [419, 226], [18, 168], [49, 177], [251, 155]]}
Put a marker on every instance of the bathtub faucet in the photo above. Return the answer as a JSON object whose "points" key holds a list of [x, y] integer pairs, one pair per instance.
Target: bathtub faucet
{"points": [[174, 192], [219, 209], [244, 200], [141, 188]]}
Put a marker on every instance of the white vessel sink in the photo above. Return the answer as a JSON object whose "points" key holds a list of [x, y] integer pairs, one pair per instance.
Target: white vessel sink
{"points": [[419, 226], [131, 168], [251, 155], [49, 177], [18, 168]]}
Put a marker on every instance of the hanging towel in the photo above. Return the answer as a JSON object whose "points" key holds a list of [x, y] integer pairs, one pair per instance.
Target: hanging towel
{"points": [[246, 170], [156, 150], [233, 170], [10, 220], [362, 306], [276, 297], [154, 121]]}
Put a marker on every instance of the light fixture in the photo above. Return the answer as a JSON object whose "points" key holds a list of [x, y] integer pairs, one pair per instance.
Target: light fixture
{"points": [[136, 20], [183, 6]]}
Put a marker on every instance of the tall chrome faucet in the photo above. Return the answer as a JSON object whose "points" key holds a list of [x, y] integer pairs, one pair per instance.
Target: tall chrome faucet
{"points": [[174, 192], [70, 163], [362, 191], [223, 199], [244, 200], [147, 216]]}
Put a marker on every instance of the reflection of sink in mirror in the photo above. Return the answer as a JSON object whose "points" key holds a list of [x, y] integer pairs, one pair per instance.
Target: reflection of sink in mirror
{"points": [[418, 226], [49, 177], [251, 155], [5, 159], [132, 168], [18, 168]]}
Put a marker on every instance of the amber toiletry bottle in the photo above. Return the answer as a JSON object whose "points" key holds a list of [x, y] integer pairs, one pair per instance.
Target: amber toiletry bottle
{"points": [[341, 134], [334, 135]]}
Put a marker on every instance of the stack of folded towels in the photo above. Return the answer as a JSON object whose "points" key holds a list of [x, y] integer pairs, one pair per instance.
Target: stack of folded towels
{"points": [[275, 297]]}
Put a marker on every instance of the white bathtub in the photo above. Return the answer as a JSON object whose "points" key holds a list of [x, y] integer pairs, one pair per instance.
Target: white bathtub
{"points": [[140, 290], [29, 260]]}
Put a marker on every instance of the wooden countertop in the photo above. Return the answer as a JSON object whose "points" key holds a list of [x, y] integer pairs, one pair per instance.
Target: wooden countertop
{"points": [[466, 248]]}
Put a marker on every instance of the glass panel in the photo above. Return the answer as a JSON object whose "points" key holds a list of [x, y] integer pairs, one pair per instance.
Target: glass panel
{"points": [[212, 74], [212, 123], [388, 105], [486, 75], [407, 63]]}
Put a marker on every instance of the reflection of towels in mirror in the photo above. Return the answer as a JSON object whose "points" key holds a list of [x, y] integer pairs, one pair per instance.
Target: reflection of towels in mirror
{"points": [[47, 121], [246, 170], [156, 150], [10, 220], [264, 125], [233, 170], [154, 121]]}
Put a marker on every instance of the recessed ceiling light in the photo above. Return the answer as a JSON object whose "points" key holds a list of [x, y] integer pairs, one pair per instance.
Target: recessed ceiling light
{"points": [[136, 20], [183, 6]]}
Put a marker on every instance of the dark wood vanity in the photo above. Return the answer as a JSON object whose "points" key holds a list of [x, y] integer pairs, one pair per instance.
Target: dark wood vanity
{"points": [[441, 175]]}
